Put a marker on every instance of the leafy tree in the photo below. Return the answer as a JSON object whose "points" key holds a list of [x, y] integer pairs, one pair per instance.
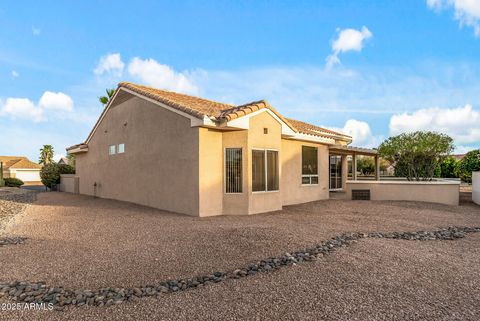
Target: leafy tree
{"points": [[416, 155], [105, 99], [46, 154], [365, 165], [449, 168], [71, 160], [470, 163]]}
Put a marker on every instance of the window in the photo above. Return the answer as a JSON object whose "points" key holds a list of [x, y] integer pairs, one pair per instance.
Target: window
{"points": [[111, 150], [121, 148], [309, 165], [264, 170], [233, 170]]}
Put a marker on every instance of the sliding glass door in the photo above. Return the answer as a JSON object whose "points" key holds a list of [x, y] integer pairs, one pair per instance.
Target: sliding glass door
{"points": [[335, 172]]}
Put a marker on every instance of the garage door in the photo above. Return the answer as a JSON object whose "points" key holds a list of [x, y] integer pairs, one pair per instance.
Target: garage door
{"points": [[28, 176]]}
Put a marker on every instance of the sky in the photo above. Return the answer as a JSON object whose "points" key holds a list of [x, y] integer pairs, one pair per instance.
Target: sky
{"points": [[371, 69]]}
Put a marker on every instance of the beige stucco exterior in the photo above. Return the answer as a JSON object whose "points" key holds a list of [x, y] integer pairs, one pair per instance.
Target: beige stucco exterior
{"points": [[171, 165], [159, 167], [443, 192], [69, 183]]}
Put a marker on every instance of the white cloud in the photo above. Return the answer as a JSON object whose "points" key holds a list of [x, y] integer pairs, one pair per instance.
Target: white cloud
{"points": [[152, 73], [110, 64], [36, 31], [462, 124], [467, 12], [15, 74], [24, 108], [56, 101], [348, 40], [361, 133]]}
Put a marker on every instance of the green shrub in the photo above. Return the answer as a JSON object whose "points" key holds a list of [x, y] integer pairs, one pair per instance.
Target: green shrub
{"points": [[470, 163], [50, 174], [449, 168], [65, 169], [13, 182]]}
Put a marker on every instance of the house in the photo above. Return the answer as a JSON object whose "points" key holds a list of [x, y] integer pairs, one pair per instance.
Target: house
{"points": [[63, 161], [199, 157], [22, 168]]}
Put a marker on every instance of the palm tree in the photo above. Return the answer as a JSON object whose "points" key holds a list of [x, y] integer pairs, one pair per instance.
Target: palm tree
{"points": [[105, 99], [46, 154]]}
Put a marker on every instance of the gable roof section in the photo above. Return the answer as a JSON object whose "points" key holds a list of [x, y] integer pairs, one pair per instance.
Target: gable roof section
{"points": [[18, 162], [200, 108], [309, 129], [195, 106]]}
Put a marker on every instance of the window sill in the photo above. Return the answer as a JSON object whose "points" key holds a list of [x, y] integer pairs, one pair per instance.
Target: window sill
{"points": [[265, 192], [309, 185]]}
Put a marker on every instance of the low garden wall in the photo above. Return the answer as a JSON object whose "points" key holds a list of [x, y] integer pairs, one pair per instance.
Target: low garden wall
{"points": [[68, 183], [443, 192], [476, 187]]}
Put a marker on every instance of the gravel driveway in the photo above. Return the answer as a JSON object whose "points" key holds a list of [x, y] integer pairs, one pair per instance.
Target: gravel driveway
{"points": [[82, 242]]}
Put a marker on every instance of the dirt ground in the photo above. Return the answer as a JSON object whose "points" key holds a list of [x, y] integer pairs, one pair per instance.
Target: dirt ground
{"points": [[83, 242]]}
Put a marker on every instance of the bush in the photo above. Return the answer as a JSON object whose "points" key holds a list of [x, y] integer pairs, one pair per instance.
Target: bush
{"points": [[13, 182], [449, 168], [470, 163], [50, 174], [65, 169]]}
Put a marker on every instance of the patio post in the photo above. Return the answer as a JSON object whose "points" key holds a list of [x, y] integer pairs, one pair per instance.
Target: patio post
{"points": [[377, 168], [354, 166], [344, 171]]}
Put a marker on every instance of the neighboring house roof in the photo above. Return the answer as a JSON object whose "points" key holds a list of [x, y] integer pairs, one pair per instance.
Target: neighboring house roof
{"points": [[63, 160], [18, 162], [215, 111]]}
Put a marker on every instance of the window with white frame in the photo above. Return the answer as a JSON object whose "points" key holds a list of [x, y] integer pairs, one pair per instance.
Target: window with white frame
{"points": [[121, 148], [265, 173], [111, 150], [233, 170], [309, 165]]}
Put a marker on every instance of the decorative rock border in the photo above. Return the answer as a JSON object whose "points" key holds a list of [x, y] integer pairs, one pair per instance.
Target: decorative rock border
{"points": [[12, 240], [38, 292]]}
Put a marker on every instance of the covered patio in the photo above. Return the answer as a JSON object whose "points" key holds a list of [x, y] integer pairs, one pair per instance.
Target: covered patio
{"points": [[338, 165]]}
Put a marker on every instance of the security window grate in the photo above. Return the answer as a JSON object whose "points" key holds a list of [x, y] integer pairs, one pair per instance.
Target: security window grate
{"points": [[233, 170]]}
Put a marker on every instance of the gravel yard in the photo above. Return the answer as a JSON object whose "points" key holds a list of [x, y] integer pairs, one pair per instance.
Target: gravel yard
{"points": [[82, 242]]}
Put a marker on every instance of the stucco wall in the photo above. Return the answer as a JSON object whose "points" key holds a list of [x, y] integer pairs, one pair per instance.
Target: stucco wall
{"points": [[293, 192], [69, 183], [210, 172], [271, 200], [159, 167], [443, 192], [476, 187]]}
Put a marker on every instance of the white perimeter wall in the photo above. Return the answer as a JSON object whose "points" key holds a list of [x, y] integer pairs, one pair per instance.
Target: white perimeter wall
{"points": [[476, 187]]}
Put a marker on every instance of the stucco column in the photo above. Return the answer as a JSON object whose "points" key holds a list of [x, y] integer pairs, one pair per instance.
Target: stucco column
{"points": [[377, 168], [354, 166], [344, 171]]}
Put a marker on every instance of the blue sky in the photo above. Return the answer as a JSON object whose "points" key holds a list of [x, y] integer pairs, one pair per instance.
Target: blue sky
{"points": [[369, 68]]}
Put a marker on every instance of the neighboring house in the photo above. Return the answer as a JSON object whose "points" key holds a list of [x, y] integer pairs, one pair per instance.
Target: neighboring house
{"points": [[458, 157], [199, 157], [22, 168], [63, 161]]}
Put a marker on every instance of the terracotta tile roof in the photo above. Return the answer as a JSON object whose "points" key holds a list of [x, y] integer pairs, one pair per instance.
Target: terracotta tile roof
{"points": [[200, 108], [310, 129], [18, 162], [195, 106], [246, 109]]}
